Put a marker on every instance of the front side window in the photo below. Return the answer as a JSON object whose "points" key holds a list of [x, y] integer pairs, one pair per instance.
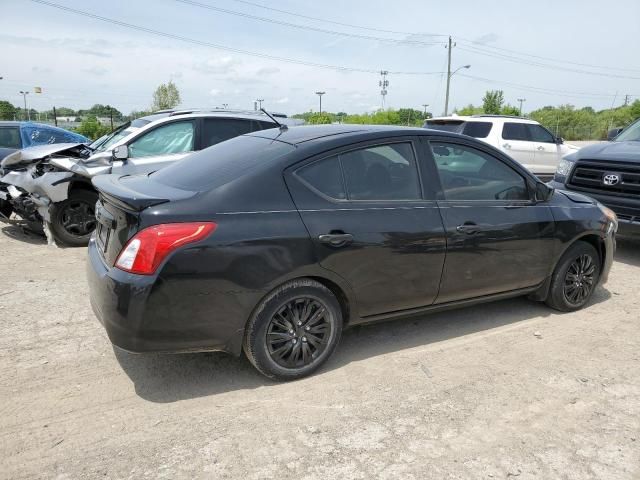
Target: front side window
{"points": [[540, 134], [515, 131], [469, 174], [216, 130], [175, 137], [10, 137]]}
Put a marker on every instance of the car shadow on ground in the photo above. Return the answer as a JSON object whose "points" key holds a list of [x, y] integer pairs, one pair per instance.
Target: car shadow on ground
{"points": [[169, 378], [20, 231], [628, 251]]}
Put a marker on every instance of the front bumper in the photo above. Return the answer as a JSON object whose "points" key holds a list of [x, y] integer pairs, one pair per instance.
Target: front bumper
{"points": [[626, 209], [143, 313]]}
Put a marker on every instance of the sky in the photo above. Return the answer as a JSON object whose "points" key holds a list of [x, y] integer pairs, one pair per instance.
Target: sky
{"points": [[546, 52]]}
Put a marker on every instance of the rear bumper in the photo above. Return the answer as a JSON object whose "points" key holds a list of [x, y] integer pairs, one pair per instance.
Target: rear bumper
{"points": [[143, 314]]}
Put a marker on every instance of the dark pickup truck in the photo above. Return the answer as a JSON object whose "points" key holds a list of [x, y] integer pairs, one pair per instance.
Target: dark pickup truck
{"points": [[610, 173]]}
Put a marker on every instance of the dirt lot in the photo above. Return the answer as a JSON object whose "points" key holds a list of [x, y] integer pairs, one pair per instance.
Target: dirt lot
{"points": [[505, 390]]}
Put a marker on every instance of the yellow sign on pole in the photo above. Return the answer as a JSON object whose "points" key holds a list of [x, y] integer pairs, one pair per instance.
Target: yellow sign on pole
{"points": [[37, 89]]}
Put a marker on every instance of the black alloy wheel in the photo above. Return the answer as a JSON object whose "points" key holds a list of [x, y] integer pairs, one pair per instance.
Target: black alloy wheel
{"points": [[298, 332], [579, 280], [78, 218]]}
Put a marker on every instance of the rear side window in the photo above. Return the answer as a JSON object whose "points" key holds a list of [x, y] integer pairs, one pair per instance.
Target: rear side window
{"points": [[455, 126], [222, 163], [515, 131], [477, 129], [10, 137], [325, 176], [216, 130], [386, 172]]}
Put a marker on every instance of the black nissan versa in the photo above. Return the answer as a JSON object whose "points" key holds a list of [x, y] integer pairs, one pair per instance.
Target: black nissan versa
{"points": [[274, 241]]}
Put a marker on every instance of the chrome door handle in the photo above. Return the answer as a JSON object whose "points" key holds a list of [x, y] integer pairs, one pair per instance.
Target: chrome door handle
{"points": [[506, 145], [540, 147], [336, 239], [468, 228]]}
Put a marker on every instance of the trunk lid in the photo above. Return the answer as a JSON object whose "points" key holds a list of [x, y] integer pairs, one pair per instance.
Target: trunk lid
{"points": [[121, 201]]}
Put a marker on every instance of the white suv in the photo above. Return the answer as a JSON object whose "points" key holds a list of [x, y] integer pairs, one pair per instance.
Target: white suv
{"points": [[524, 140]]}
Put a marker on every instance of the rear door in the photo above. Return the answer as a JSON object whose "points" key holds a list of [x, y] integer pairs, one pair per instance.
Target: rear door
{"points": [[547, 151], [498, 238], [516, 142], [373, 223]]}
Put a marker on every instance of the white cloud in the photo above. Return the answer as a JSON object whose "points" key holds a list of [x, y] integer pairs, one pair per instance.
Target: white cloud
{"points": [[217, 65], [268, 71], [282, 101], [214, 92]]}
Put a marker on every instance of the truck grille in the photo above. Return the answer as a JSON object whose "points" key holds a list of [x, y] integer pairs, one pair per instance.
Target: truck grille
{"points": [[617, 179]]}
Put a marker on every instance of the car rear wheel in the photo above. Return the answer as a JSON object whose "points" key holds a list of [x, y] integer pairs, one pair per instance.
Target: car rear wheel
{"points": [[294, 330], [575, 278], [74, 220]]}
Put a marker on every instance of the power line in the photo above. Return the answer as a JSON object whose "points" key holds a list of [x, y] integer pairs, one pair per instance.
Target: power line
{"points": [[603, 67], [223, 47], [333, 22], [535, 63], [305, 27]]}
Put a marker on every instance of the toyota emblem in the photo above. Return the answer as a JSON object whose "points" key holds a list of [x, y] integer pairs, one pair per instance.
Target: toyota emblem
{"points": [[611, 179]]}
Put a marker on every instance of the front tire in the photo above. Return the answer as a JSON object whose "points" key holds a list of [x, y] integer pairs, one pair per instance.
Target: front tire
{"points": [[74, 219], [575, 278], [294, 330]]}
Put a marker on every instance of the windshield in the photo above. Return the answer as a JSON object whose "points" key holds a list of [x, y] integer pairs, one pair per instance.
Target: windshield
{"points": [[631, 133], [115, 137]]}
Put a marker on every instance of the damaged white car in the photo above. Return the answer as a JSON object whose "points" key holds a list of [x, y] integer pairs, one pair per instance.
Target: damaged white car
{"points": [[51, 184]]}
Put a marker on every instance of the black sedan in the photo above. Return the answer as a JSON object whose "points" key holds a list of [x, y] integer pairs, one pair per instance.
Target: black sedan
{"points": [[275, 241]]}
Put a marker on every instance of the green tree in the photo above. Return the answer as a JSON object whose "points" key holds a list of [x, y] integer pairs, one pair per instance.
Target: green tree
{"points": [[91, 128], [509, 110], [469, 110], [319, 119], [7, 110], [166, 96], [492, 102]]}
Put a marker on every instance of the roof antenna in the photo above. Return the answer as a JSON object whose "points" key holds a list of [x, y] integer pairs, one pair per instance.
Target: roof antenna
{"points": [[281, 126]]}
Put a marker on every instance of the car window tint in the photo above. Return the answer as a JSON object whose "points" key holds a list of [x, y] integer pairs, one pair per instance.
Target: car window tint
{"points": [[540, 134], [386, 172], [445, 125], [515, 131], [222, 163], [10, 137], [325, 176], [174, 137], [469, 174], [216, 130], [477, 129]]}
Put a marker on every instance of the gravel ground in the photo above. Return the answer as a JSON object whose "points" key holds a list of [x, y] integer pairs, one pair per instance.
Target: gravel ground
{"points": [[509, 389]]}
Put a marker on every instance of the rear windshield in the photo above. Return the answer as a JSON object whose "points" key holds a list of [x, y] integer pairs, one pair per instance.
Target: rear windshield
{"points": [[220, 164], [473, 129]]}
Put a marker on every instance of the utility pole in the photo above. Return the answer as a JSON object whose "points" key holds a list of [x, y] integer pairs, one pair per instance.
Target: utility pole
{"points": [[446, 99], [320, 98], [520, 109], [55, 117], [260, 100], [111, 117], [626, 99], [384, 83], [425, 105], [24, 96], [225, 105]]}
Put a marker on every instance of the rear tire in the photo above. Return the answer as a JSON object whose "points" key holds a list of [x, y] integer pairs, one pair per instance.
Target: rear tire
{"points": [[74, 219], [5, 209], [294, 330], [575, 278]]}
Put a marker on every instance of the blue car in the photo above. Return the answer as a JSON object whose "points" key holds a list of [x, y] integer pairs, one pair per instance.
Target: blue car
{"points": [[17, 135]]}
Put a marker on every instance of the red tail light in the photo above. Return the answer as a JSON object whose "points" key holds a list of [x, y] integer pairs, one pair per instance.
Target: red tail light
{"points": [[149, 247]]}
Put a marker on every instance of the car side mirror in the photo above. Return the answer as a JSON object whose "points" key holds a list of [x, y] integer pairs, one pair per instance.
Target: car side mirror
{"points": [[559, 140], [613, 133], [121, 152], [543, 192]]}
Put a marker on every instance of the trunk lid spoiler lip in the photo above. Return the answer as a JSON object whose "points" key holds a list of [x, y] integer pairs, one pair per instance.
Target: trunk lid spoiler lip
{"points": [[141, 193]]}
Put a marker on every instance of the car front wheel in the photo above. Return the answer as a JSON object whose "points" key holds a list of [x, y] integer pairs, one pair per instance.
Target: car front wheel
{"points": [[74, 219], [294, 330], [575, 278]]}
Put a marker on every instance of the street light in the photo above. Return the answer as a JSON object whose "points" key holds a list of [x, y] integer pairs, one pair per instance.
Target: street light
{"points": [[449, 75], [425, 105], [24, 96], [260, 100], [320, 97], [521, 100]]}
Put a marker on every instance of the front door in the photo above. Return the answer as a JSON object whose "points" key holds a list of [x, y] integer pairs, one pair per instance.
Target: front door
{"points": [[370, 223], [498, 238], [547, 151], [157, 148]]}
